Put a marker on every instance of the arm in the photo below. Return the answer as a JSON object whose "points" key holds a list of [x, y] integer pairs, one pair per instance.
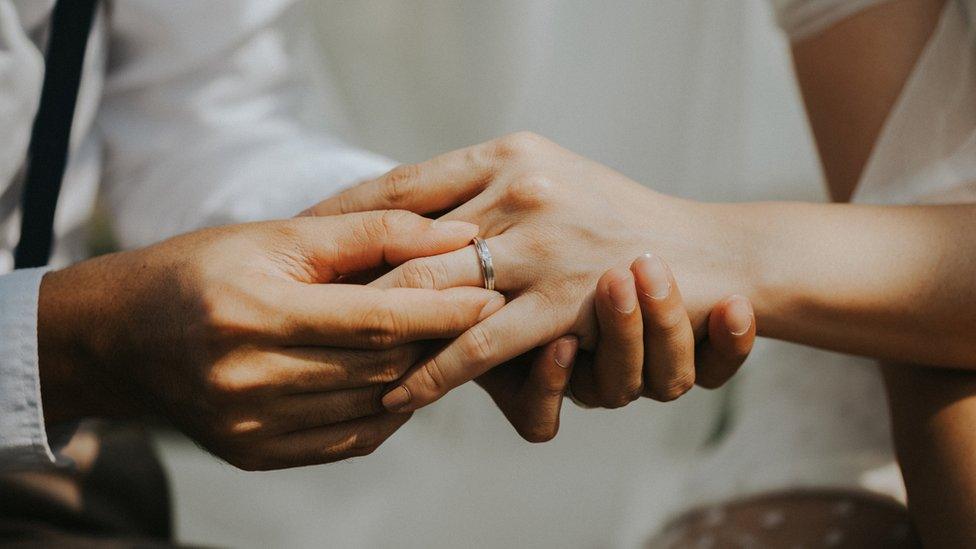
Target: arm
{"points": [[843, 277], [893, 283], [241, 337], [932, 411]]}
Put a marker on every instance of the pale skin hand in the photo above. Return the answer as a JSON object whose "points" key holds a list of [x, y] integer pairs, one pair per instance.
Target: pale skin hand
{"points": [[833, 276], [239, 336], [555, 222], [529, 389]]}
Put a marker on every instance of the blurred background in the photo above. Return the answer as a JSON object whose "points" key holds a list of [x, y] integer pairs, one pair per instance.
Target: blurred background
{"points": [[690, 97]]}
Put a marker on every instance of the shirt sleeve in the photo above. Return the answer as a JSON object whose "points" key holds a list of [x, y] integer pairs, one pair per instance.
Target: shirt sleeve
{"points": [[23, 439], [203, 118]]}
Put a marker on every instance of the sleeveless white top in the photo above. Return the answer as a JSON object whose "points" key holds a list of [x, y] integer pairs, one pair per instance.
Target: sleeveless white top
{"points": [[809, 419]]}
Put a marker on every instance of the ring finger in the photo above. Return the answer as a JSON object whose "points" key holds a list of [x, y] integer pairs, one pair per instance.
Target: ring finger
{"points": [[459, 268]]}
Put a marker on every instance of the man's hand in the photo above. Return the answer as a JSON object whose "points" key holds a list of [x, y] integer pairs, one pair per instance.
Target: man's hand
{"points": [[239, 336]]}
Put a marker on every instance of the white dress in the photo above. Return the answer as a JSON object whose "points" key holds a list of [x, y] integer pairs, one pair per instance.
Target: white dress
{"points": [[824, 422]]}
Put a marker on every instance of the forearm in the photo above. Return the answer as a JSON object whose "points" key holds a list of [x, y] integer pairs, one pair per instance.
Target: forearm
{"points": [[932, 413], [887, 282]]}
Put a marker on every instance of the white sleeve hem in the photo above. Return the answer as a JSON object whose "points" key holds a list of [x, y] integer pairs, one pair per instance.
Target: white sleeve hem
{"points": [[23, 437]]}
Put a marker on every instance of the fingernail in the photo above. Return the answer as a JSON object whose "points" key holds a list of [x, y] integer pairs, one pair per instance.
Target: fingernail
{"points": [[738, 314], [452, 226], [652, 277], [396, 399], [491, 307], [566, 351], [622, 295]]}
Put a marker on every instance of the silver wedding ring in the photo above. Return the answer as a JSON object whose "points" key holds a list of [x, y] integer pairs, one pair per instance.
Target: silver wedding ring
{"points": [[484, 259]]}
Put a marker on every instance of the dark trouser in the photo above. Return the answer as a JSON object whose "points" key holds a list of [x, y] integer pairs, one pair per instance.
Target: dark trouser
{"points": [[116, 495]]}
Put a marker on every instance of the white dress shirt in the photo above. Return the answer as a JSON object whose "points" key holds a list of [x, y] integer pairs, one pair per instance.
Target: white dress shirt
{"points": [[190, 114]]}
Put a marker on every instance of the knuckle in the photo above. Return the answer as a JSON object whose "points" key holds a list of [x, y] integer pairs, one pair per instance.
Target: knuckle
{"points": [[365, 403], [674, 388], [477, 346], [669, 322], [518, 143], [390, 364], [422, 273], [399, 184], [480, 157], [432, 377], [235, 383], [380, 326], [530, 190], [237, 427]]}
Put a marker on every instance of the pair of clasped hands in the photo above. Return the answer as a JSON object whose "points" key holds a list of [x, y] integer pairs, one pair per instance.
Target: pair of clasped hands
{"points": [[312, 340]]}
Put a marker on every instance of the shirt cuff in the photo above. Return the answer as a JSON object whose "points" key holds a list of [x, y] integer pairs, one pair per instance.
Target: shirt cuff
{"points": [[23, 438]]}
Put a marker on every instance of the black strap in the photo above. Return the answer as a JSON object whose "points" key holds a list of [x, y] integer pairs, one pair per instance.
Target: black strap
{"points": [[47, 154]]}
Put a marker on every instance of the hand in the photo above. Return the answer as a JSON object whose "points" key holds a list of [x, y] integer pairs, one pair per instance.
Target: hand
{"points": [[237, 335], [554, 222], [643, 350], [646, 343]]}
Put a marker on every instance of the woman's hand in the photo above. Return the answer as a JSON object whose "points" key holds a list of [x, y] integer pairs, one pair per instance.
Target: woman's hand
{"points": [[646, 346], [637, 354], [555, 222], [241, 338]]}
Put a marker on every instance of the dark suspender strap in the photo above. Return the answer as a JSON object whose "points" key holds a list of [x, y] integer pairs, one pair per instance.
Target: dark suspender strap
{"points": [[48, 151]]}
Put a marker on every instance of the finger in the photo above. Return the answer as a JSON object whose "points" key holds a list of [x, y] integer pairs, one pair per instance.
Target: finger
{"points": [[669, 342], [618, 366], [583, 388], [458, 268], [541, 397], [362, 317], [329, 247], [499, 338], [443, 182], [529, 390], [306, 411], [317, 369], [353, 438], [731, 335]]}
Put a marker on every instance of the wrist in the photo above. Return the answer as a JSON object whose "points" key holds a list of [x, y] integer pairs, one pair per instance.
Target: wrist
{"points": [[715, 250], [71, 321], [761, 232]]}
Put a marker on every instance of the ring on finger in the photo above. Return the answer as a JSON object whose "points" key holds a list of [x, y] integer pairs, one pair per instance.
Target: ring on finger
{"points": [[484, 260]]}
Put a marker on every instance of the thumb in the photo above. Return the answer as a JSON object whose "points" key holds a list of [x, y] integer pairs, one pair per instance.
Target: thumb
{"points": [[344, 244]]}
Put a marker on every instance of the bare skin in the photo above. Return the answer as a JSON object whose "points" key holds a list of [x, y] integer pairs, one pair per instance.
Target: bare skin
{"points": [[894, 283], [240, 336], [851, 76]]}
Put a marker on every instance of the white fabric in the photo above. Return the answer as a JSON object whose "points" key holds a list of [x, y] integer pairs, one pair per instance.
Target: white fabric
{"points": [[801, 19], [189, 114], [23, 439], [927, 148]]}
